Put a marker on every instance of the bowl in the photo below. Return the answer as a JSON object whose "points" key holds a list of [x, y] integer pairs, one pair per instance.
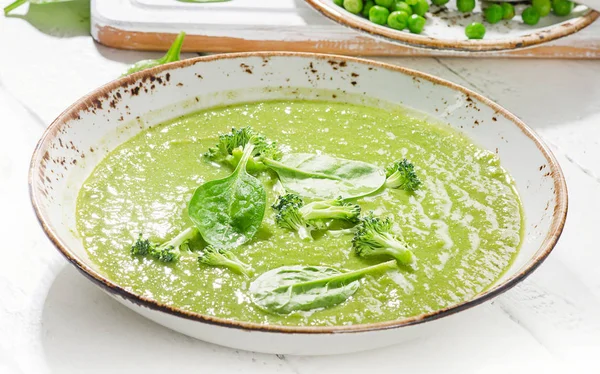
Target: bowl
{"points": [[94, 125], [446, 31]]}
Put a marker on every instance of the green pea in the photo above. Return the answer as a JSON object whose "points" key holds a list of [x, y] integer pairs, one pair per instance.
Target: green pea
{"points": [[542, 6], [379, 15], [401, 6], [339, 2], [367, 7], [416, 24], [562, 7], [493, 13], [398, 20], [508, 11], [421, 7], [530, 16], [439, 2], [465, 6], [411, 2], [353, 6], [385, 3], [475, 31]]}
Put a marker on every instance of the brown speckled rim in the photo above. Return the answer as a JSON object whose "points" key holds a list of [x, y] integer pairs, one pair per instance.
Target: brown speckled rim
{"points": [[538, 36], [556, 227]]}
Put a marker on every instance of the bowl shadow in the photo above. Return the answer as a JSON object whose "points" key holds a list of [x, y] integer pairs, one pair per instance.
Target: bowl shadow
{"points": [[62, 19], [85, 330]]}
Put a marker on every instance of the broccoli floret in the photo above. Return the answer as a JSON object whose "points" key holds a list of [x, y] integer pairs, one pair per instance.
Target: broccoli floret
{"points": [[168, 251], [331, 209], [374, 237], [288, 215], [220, 257], [141, 247], [401, 174], [230, 148], [228, 142], [293, 215]]}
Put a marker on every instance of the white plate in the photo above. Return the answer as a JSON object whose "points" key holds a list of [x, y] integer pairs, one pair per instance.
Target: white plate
{"points": [[446, 30]]}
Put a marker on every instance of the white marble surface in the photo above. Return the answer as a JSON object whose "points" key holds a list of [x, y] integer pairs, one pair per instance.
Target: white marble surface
{"points": [[52, 320]]}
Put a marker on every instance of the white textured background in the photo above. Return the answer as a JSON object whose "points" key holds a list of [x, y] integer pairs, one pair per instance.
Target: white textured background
{"points": [[53, 320]]}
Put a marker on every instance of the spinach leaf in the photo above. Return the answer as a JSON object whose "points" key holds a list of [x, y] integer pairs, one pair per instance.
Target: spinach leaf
{"points": [[229, 211], [326, 177], [294, 288], [172, 55], [14, 5]]}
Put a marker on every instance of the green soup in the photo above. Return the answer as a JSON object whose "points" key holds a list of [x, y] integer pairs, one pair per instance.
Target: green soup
{"points": [[464, 222]]}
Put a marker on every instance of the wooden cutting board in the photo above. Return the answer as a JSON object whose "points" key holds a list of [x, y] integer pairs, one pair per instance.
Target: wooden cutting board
{"points": [[286, 25]]}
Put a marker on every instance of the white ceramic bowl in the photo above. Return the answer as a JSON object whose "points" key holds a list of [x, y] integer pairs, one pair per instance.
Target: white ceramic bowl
{"points": [[81, 136]]}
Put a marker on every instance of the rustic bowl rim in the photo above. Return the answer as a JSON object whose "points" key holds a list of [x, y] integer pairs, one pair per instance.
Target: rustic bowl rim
{"points": [[556, 227], [537, 37]]}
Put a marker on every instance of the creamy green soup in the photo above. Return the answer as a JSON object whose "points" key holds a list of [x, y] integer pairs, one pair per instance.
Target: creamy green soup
{"points": [[464, 222]]}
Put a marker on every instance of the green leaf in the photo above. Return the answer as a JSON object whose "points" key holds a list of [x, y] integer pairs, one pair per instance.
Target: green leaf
{"points": [[173, 54], [326, 177], [294, 288], [18, 3], [229, 211]]}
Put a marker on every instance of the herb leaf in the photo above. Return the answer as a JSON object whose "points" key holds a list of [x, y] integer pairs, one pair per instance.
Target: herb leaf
{"points": [[14, 5], [326, 177], [294, 288], [229, 211], [10, 7], [172, 55]]}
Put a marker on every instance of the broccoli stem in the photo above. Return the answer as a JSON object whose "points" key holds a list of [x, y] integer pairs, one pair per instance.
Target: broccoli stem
{"points": [[214, 257], [183, 237], [13, 6], [343, 278], [402, 255], [173, 54], [393, 180], [304, 233], [331, 212], [341, 232], [237, 266], [396, 249]]}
